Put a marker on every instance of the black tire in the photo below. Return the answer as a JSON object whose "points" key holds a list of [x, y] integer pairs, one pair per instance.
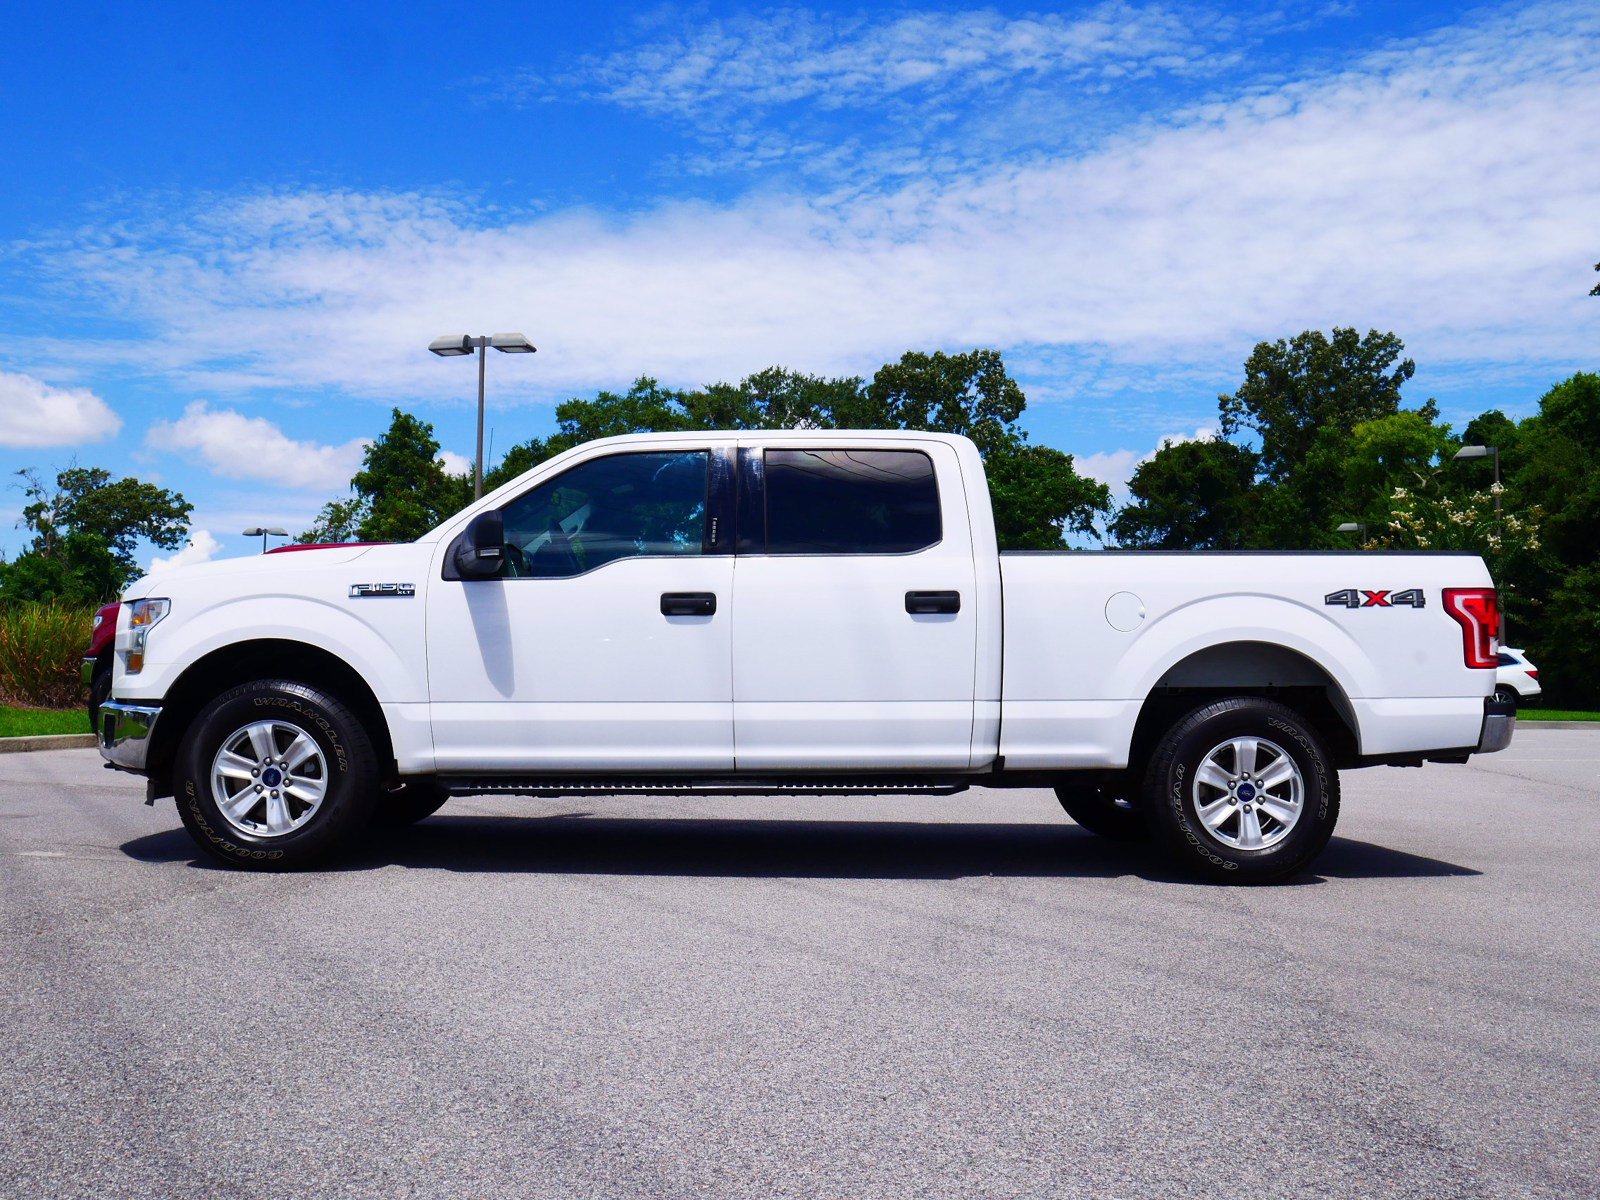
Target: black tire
{"points": [[1102, 807], [1171, 786], [1507, 695], [347, 771], [414, 800], [99, 692]]}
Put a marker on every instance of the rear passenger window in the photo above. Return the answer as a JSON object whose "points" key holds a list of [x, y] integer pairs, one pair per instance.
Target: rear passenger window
{"points": [[850, 502]]}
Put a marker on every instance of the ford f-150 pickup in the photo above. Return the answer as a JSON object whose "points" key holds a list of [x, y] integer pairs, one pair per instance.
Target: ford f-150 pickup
{"points": [[791, 612]]}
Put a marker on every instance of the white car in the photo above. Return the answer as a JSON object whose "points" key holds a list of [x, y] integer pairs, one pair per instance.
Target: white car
{"points": [[1516, 678], [791, 612]]}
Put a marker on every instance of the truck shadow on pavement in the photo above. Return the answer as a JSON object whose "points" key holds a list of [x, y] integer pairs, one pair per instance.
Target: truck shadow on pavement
{"points": [[575, 843]]}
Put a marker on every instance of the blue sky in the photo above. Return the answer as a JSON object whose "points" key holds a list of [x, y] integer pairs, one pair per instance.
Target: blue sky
{"points": [[227, 233]]}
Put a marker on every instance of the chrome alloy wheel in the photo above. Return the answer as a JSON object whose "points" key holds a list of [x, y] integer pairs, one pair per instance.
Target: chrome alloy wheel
{"points": [[268, 778], [1248, 793]]}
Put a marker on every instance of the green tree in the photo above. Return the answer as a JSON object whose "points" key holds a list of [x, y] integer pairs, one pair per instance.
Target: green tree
{"points": [[401, 491], [1304, 398], [1189, 496], [1555, 466], [339, 521], [86, 527]]}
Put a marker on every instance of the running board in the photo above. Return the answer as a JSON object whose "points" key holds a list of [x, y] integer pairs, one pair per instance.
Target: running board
{"points": [[503, 785]]}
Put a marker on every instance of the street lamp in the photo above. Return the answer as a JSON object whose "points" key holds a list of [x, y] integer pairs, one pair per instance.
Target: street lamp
{"points": [[1499, 525], [1353, 527], [264, 534], [453, 345], [1485, 452]]}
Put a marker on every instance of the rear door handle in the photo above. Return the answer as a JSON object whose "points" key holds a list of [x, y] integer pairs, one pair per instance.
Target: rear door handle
{"points": [[688, 604], [933, 602]]}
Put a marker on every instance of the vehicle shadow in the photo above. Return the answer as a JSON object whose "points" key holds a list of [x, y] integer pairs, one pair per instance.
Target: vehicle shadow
{"points": [[575, 843]]}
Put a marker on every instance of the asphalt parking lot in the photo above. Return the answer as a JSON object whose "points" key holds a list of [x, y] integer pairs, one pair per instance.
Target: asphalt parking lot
{"points": [[962, 996]]}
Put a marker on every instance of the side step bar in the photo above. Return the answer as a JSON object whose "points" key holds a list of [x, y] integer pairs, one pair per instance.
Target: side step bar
{"points": [[502, 785]]}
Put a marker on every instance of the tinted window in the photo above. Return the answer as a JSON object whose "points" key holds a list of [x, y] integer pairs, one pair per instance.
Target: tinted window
{"points": [[850, 501], [1507, 661], [621, 506]]}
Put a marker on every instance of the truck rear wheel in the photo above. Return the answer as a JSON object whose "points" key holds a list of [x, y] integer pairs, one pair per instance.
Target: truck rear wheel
{"points": [[416, 799], [1102, 808], [275, 775], [1241, 791]]}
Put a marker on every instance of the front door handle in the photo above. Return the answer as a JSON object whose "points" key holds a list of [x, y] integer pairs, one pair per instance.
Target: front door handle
{"points": [[688, 604], [933, 602]]}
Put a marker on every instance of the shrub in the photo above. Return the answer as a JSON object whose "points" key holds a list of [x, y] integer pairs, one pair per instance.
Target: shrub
{"points": [[41, 653]]}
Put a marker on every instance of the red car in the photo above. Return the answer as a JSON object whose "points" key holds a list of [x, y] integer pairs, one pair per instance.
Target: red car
{"points": [[97, 662]]}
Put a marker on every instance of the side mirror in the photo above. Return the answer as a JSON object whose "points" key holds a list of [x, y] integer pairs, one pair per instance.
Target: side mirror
{"points": [[481, 550]]}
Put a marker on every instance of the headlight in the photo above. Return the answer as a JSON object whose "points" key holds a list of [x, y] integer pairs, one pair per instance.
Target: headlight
{"points": [[142, 615]]}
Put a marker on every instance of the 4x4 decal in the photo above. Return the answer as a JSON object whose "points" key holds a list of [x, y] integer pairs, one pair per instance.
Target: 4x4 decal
{"points": [[1362, 598]]}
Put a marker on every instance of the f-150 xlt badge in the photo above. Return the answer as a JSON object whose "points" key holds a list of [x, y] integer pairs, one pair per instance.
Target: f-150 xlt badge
{"points": [[1361, 598], [382, 589]]}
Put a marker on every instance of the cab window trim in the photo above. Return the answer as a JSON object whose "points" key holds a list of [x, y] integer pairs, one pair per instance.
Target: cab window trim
{"points": [[753, 528], [717, 485]]}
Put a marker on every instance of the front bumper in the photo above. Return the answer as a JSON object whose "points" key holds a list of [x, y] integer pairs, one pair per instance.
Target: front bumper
{"points": [[124, 733], [1499, 723]]}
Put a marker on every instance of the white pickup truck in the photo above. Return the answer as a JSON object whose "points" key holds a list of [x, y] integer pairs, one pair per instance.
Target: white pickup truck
{"points": [[791, 612]]}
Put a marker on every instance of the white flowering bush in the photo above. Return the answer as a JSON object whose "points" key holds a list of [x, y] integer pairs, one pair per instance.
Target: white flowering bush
{"points": [[1428, 519]]}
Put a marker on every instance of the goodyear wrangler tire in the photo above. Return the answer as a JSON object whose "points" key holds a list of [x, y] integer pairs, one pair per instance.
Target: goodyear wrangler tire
{"points": [[1242, 791], [275, 775]]}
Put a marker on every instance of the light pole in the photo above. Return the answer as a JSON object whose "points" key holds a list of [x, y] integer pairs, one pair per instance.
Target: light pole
{"points": [[264, 534], [1485, 452], [1354, 527], [1467, 452], [455, 344]]}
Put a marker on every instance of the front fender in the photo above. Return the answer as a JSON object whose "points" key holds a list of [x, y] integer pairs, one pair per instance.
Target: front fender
{"points": [[384, 644]]}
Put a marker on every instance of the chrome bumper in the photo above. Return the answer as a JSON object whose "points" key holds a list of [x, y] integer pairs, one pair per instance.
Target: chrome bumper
{"points": [[124, 732], [1499, 723]]}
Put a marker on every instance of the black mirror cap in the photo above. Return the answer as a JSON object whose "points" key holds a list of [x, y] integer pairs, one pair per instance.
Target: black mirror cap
{"points": [[481, 550]]}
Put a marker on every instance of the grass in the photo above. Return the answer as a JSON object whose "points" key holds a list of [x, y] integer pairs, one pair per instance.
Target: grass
{"points": [[1556, 714], [41, 653], [32, 722]]}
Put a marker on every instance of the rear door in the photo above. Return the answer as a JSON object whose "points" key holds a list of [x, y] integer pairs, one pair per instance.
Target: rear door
{"points": [[855, 610]]}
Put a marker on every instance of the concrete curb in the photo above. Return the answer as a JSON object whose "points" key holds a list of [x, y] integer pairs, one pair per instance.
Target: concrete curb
{"points": [[48, 741], [1523, 724]]}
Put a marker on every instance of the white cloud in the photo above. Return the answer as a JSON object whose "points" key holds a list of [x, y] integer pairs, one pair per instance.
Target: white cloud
{"points": [[32, 413], [202, 547], [237, 446], [785, 55], [455, 464], [1443, 188], [1116, 467]]}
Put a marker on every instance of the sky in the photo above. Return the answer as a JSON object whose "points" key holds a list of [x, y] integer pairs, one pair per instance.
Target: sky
{"points": [[229, 232]]}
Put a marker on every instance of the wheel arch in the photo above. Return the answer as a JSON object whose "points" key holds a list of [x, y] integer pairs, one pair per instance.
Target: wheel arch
{"points": [[262, 658], [1250, 668]]}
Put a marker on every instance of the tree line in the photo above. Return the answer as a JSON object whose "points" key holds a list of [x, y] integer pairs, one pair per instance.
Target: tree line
{"points": [[1315, 435]]}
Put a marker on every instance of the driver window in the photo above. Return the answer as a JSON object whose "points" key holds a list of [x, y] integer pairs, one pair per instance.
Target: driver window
{"points": [[619, 506]]}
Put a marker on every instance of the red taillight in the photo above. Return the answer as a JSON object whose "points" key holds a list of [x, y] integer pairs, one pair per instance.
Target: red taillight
{"points": [[1477, 611], [1532, 674]]}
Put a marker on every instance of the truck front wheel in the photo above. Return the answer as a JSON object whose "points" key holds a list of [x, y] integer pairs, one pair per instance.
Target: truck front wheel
{"points": [[1241, 791], [275, 775]]}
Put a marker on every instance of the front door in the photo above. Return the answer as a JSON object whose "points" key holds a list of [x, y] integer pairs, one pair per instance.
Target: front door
{"points": [[604, 645], [855, 610]]}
